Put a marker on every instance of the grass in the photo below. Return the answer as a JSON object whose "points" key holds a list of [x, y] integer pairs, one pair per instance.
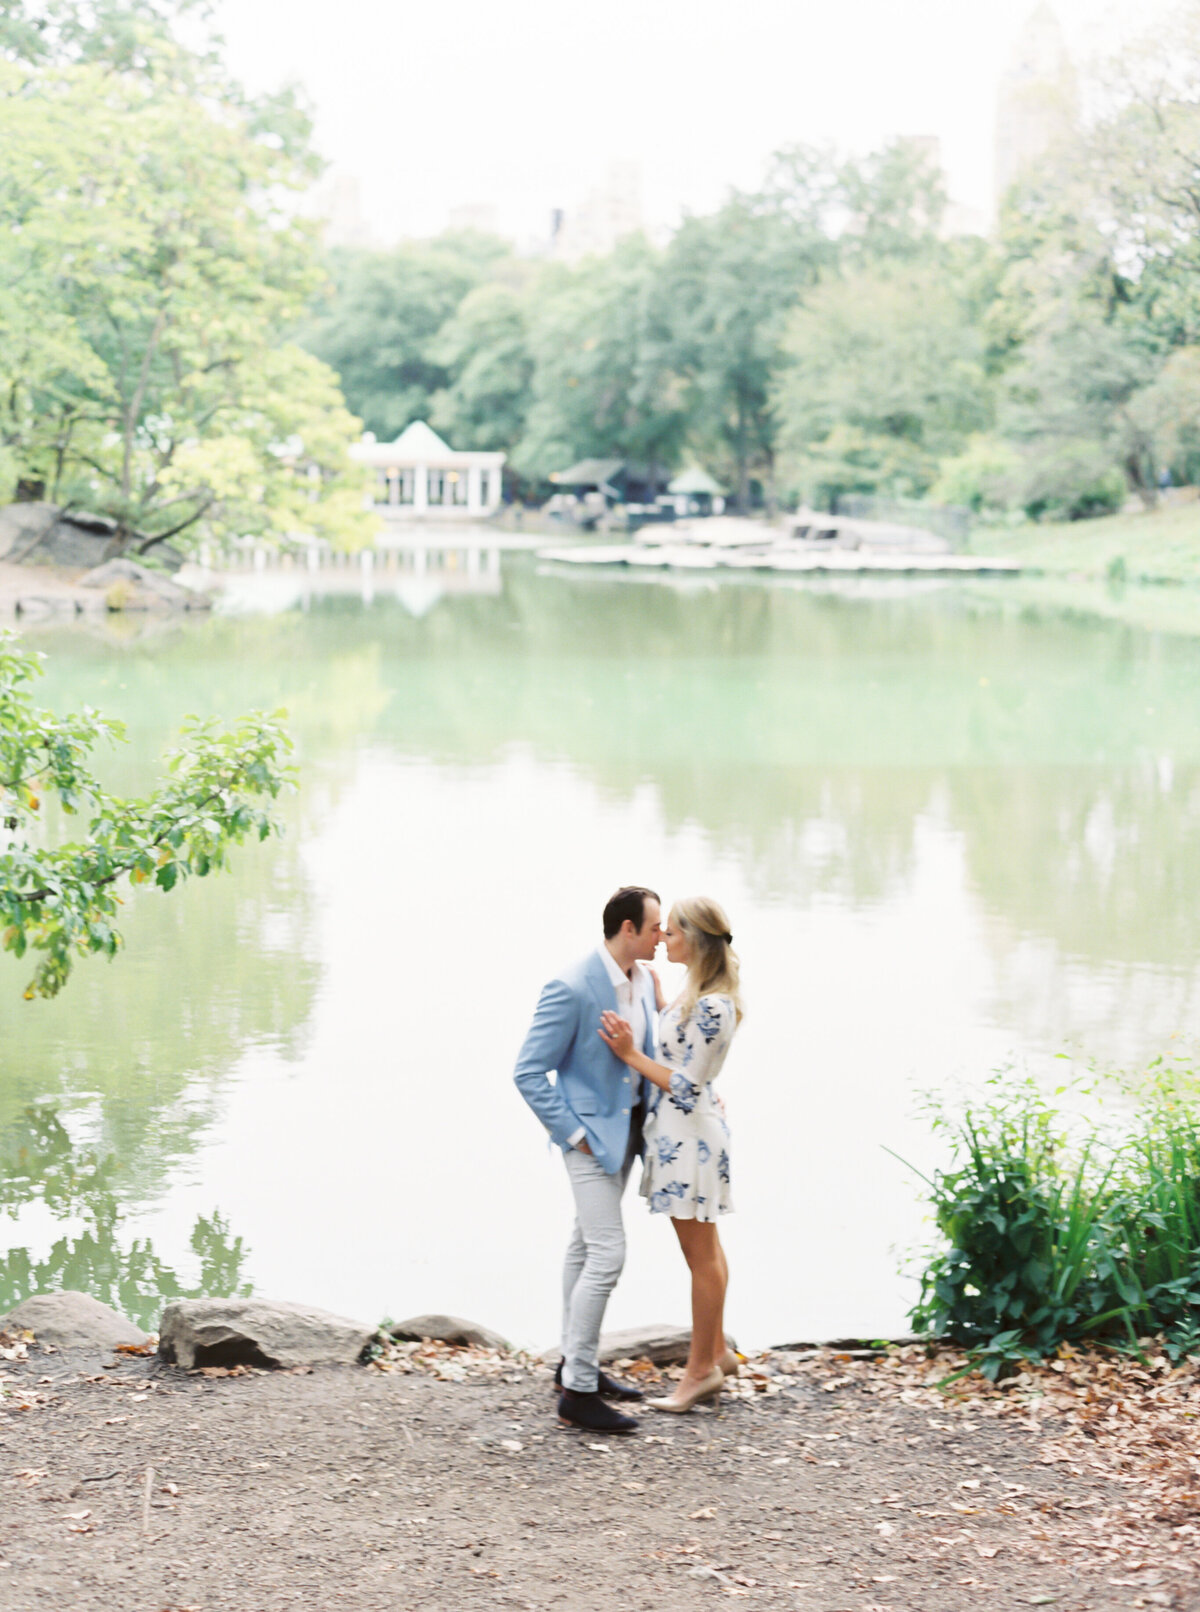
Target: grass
{"points": [[1161, 545]]}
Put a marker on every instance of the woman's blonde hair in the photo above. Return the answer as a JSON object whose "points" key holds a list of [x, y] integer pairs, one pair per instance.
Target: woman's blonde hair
{"points": [[713, 968]]}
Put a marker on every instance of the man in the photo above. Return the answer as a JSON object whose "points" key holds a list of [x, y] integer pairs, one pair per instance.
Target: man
{"points": [[594, 1111]]}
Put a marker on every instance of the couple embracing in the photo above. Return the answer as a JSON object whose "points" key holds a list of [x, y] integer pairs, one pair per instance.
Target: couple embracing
{"points": [[634, 1079]]}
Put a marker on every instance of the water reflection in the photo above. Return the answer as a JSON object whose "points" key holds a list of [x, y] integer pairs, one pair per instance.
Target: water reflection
{"points": [[40, 1165], [957, 827]]}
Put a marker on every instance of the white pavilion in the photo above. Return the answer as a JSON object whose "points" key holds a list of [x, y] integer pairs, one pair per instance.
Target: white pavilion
{"points": [[419, 475]]}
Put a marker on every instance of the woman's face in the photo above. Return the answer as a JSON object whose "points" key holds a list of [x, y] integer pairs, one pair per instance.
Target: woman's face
{"points": [[679, 948]]}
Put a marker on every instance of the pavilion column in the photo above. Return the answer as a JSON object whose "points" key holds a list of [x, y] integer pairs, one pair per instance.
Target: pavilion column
{"points": [[420, 489], [492, 500], [474, 500]]}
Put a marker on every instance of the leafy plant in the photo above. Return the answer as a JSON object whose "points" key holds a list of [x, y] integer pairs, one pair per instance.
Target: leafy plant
{"points": [[1048, 1243], [61, 900]]}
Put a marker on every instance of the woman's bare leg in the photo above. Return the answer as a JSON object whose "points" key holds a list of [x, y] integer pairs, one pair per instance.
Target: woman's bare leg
{"points": [[710, 1277]]}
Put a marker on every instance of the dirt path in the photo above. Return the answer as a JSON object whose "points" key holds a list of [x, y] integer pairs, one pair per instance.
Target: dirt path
{"points": [[359, 1488]]}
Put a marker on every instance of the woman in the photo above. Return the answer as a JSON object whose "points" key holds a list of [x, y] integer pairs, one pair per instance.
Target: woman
{"points": [[686, 1172]]}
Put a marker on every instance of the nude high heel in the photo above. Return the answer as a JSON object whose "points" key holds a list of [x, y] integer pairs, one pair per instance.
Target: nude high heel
{"points": [[707, 1388], [730, 1363]]}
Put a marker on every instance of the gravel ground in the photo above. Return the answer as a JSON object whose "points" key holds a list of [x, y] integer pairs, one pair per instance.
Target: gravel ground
{"points": [[394, 1489]]}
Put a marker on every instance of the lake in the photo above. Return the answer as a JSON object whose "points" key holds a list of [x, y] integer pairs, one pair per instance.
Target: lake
{"points": [[955, 830]]}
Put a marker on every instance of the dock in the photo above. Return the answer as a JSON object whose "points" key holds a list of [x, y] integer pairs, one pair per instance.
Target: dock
{"points": [[791, 559]]}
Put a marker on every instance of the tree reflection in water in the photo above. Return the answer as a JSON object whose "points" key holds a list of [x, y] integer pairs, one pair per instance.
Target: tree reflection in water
{"points": [[39, 1163]]}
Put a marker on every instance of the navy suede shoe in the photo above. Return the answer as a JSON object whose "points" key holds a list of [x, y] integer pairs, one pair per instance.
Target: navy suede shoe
{"points": [[607, 1387], [592, 1414]]}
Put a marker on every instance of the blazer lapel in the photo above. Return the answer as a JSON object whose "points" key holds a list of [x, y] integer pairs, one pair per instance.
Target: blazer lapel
{"points": [[600, 985]]}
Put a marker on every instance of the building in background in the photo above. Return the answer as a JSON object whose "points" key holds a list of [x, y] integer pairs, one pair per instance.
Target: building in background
{"points": [[1037, 103], [335, 201], [607, 214], [420, 475], [482, 217]]}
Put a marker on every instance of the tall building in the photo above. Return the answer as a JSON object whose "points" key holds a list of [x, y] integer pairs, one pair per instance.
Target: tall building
{"points": [[335, 201], [608, 213], [482, 217], [1037, 103]]}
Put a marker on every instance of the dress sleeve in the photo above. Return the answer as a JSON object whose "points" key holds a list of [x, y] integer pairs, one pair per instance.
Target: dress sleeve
{"points": [[704, 1040]]}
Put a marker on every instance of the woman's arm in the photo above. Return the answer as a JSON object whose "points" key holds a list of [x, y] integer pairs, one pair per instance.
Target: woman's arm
{"points": [[616, 1034]]}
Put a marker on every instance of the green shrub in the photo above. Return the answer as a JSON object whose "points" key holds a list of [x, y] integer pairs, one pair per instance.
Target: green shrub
{"points": [[1070, 481], [1048, 1244]]}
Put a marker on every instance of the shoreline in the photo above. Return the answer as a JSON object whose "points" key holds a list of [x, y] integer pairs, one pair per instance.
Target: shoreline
{"points": [[439, 1479]]}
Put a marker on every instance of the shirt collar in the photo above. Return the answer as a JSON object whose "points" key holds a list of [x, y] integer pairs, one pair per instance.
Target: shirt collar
{"points": [[613, 969]]}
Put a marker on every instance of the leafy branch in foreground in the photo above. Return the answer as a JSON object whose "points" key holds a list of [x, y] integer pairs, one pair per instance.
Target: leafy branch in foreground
{"points": [[62, 900]]}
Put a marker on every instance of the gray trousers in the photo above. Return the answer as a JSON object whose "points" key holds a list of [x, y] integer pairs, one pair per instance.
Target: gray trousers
{"points": [[595, 1257]]}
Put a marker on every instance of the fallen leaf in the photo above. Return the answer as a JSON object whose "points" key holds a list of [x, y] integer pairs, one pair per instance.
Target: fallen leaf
{"points": [[703, 1515]]}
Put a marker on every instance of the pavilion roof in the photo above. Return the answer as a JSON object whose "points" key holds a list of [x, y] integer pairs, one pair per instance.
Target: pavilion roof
{"points": [[420, 441], [588, 473], [695, 480]]}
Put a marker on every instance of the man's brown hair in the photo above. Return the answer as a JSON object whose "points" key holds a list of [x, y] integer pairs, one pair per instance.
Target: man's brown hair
{"points": [[628, 902]]}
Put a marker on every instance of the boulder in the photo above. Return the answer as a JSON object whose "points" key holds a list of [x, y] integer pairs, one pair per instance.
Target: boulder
{"points": [[258, 1332], [129, 585], [447, 1329], [72, 1320], [40, 533], [661, 1345]]}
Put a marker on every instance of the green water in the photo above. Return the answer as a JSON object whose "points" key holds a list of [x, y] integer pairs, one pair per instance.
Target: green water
{"points": [[953, 828]]}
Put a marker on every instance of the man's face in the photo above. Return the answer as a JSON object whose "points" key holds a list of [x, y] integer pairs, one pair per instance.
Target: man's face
{"points": [[650, 934]]}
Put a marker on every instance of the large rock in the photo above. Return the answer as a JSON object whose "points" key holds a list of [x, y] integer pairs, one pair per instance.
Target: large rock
{"points": [[40, 533], [661, 1345], [258, 1332], [448, 1329], [129, 585], [72, 1320]]}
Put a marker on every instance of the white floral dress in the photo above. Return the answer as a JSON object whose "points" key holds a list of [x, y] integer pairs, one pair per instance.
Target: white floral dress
{"points": [[686, 1173]]}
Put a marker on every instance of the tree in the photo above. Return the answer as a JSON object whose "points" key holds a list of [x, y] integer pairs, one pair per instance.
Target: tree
{"points": [[604, 383], [380, 326], [150, 265], [885, 378], [484, 349], [61, 900], [894, 201]]}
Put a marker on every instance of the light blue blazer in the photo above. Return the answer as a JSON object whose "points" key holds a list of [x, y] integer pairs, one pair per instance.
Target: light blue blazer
{"points": [[594, 1088]]}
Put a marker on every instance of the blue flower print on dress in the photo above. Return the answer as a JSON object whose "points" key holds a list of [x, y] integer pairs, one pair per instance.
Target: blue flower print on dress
{"points": [[668, 1151], [708, 1021], [684, 1094], [723, 1166], [665, 1199], [703, 1153]]}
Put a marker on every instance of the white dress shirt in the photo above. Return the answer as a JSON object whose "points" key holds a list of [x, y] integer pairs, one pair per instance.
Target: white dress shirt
{"points": [[630, 1006]]}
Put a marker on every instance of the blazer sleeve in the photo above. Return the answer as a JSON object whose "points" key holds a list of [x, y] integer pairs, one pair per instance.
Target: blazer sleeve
{"points": [[547, 1044]]}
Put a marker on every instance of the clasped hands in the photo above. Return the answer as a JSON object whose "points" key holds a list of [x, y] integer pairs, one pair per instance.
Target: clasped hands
{"points": [[616, 1034]]}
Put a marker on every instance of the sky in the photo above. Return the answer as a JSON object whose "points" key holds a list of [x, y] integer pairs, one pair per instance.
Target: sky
{"points": [[524, 105]]}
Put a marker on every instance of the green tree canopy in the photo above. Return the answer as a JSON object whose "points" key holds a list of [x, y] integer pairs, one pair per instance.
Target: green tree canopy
{"points": [[150, 265], [885, 379], [380, 327], [603, 376]]}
